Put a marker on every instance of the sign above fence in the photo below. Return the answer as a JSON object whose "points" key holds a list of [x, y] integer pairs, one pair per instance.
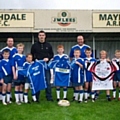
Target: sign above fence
{"points": [[16, 19], [106, 19]]}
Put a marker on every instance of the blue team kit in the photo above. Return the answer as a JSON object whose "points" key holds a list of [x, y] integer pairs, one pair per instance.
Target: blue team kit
{"points": [[77, 73], [64, 70], [17, 61], [36, 75], [88, 74], [81, 48], [6, 65], [12, 50], [61, 67], [6, 70], [117, 73]]}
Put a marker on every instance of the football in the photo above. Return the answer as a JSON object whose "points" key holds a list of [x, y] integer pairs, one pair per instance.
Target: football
{"points": [[64, 103]]}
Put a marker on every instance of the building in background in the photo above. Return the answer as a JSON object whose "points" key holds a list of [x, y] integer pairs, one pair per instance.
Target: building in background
{"points": [[100, 28]]}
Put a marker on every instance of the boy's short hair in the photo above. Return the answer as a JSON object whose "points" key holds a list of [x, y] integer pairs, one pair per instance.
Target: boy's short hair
{"points": [[29, 54], [5, 51], [103, 51], [116, 51], [77, 50], [88, 49], [60, 46], [20, 45]]}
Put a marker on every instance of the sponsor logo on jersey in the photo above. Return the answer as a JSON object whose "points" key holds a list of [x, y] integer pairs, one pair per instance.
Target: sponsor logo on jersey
{"points": [[37, 73], [35, 68]]}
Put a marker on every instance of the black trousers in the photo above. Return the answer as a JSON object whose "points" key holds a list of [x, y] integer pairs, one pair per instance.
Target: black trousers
{"points": [[48, 90]]}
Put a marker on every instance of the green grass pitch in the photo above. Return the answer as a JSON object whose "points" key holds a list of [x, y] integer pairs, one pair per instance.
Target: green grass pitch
{"points": [[100, 110]]}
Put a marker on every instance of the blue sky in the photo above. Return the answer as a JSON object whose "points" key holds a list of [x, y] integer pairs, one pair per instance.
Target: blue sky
{"points": [[60, 4]]}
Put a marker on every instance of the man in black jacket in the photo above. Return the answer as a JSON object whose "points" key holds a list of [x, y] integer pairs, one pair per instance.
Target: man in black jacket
{"points": [[42, 50]]}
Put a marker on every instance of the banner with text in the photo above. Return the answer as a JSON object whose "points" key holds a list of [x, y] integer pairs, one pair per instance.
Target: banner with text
{"points": [[106, 19], [16, 19]]}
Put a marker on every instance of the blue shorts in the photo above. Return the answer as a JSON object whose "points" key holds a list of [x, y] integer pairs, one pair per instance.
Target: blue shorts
{"points": [[116, 76], [27, 80], [88, 76], [77, 84], [8, 79], [88, 81], [19, 82]]}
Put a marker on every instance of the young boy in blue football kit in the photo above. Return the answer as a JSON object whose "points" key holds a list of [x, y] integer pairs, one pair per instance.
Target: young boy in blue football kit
{"points": [[19, 80], [29, 60], [0, 78], [0, 86], [6, 76], [77, 75], [88, 75], [103, 71], [35, 74], [61, 71], [116, 78], [12, 50]]}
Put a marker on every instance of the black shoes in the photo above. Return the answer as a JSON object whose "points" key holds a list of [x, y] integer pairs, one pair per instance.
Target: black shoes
{"points": [[65, 99], [73, 99], [109, 99], [50, 100], [79, 101], [58, 99]]}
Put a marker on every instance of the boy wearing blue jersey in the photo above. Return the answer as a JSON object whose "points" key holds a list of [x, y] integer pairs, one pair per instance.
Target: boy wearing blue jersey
{"points": [[11, 48], [116, 78], [82, 47], [35, 74], [29, 60], [77, 75], [6, 76], [88, 75], [0, 91], [0, 79], [102, 71], [17, 62], [103, 57], [61, 71]]}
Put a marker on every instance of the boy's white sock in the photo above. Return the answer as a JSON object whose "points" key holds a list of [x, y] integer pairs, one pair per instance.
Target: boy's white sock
{"points": [[3, 97], [114, 93], [34, 98], [76, 95], [26, 97], [58, 93], [81, 95], [8, 96], [86, 94], [65, 93], [21, 96], [17, 96]]}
